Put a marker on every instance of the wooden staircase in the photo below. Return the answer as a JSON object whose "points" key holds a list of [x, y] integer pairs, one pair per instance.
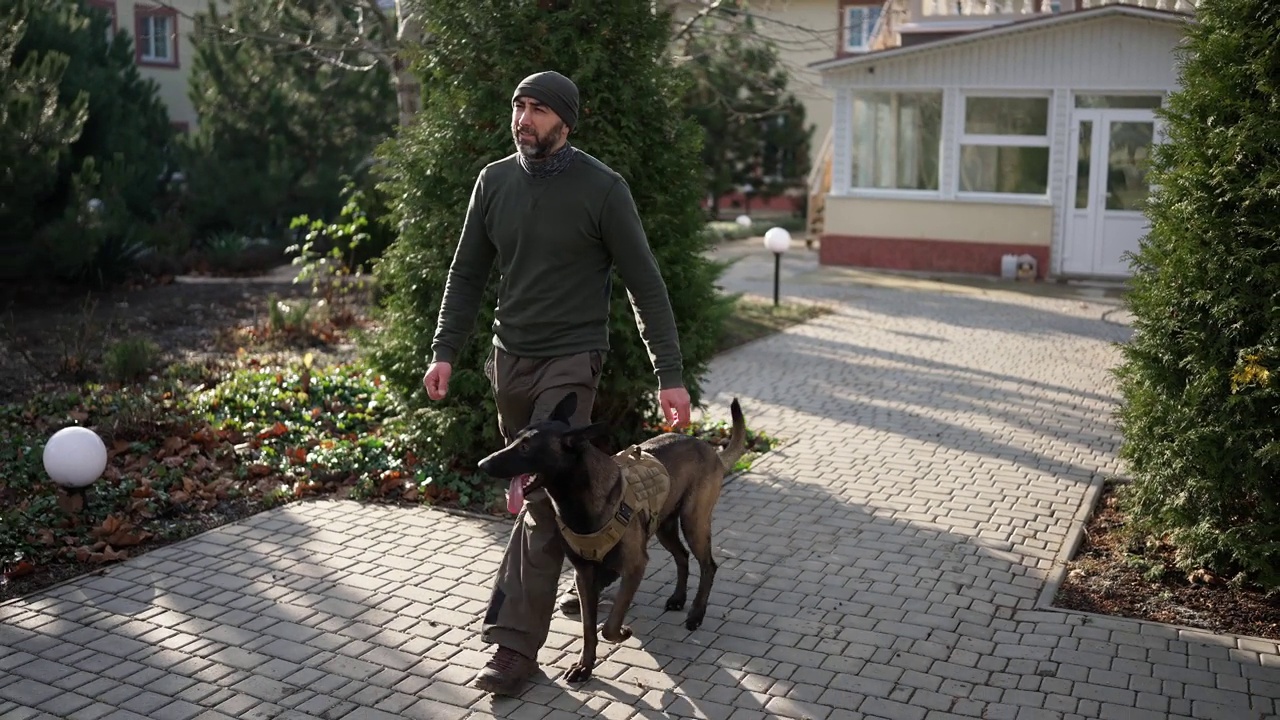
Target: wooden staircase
{"points": [[884, 36], [819, 186]]}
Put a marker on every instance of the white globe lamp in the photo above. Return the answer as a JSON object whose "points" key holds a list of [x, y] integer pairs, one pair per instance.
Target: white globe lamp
{"points": [[74, 457], [777, 240], [744, 221]]}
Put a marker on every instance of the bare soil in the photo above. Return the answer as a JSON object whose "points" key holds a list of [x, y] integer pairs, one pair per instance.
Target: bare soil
{"points": [[1108, 577], [57, 335]]}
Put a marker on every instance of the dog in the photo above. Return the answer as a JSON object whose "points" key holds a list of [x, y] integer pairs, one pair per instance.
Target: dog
{"points": [[672, 483]]}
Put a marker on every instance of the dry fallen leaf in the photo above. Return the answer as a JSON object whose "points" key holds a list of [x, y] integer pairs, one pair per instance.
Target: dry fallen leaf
{"points": [[172, 444], [22, 568], [110, 555], [117, 531], [1203, 577]]}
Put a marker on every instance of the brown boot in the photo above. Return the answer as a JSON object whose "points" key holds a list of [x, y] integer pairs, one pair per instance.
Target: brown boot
{"points": [[505, 673]]}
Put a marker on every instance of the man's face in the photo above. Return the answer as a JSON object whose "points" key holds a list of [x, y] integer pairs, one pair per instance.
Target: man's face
{"points": [[537, 130]]}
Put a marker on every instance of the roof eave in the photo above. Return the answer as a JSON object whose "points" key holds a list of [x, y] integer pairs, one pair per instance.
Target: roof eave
{"points": [[1009, 28]]}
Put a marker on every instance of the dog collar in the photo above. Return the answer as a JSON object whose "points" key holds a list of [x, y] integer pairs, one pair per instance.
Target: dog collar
{"points": [[645, 484]]}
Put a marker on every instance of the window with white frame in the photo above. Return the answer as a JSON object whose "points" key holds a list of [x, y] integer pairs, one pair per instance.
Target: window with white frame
{"points": [[897, 140], [860, 26], [156, 37], [1004, 145]]}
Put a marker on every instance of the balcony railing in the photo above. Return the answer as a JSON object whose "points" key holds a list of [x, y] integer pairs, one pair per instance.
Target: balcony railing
{"points": [[961, 9]]}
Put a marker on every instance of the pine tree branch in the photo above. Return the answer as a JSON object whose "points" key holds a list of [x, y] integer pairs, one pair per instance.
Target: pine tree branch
{"points": [[817, 34], [363, 40], [688, 25], [338, 62], [329, 51]]}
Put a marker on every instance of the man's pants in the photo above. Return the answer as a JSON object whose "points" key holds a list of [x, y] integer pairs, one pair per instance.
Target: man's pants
{"points": [[524, 593]]}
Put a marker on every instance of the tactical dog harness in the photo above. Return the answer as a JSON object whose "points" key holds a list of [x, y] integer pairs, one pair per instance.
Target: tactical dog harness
{"points": [[645, 484]]}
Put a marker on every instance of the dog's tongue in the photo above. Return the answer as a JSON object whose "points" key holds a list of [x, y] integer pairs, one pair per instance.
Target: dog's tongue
{"points": [[515, 494]]}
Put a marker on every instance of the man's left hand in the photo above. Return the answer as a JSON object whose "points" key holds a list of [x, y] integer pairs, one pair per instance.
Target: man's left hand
{"points": [[675, 406]]}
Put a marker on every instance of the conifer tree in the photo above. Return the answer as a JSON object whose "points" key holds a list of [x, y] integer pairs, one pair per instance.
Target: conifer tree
{"points": [[36, 133], [280, 131], [755, 128], [117, 154], [1201, 376], [631, 119]]}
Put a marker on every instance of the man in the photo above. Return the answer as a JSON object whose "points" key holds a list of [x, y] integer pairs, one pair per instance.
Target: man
{"points": [[556, 220]]}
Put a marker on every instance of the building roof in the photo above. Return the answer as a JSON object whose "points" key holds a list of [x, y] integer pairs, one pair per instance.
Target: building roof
{"points": [[1010, 28]]}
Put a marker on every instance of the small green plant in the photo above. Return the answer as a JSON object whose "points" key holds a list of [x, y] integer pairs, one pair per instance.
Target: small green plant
{"points": [[1151, 570], [718, 433], [224, 250], [328, 255], [130, 359], [308, 422], [287, 316]]}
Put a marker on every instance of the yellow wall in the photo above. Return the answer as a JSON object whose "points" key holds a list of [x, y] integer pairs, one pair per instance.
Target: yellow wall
{"points": [[805, 31], [172, 82], [995, 223]]}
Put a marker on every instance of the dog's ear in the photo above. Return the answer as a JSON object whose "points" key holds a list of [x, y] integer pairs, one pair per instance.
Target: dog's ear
{"points": [[565, 409], [578, 438]]}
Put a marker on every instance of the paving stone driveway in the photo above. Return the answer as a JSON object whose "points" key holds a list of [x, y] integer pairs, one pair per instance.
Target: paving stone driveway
{"points": [[889, 561]]}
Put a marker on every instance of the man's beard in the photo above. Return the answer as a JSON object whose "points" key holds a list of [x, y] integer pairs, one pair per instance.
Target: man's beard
{"points": [[540, 147]]}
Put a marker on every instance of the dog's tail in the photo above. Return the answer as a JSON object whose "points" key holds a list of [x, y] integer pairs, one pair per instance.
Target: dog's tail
{"points": [[730, 454]]}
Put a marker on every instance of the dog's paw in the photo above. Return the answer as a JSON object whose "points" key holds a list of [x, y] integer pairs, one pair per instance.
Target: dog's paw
{"points": [[676, 602], [694, 621], [623, 633], [578, 673]]}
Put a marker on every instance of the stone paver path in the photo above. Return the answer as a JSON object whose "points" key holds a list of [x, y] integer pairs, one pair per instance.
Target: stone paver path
{"points": [[892, 560]]}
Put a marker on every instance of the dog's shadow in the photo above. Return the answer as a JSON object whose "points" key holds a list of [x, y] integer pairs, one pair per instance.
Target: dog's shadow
{"points": [[663, 669], [820, 601]]}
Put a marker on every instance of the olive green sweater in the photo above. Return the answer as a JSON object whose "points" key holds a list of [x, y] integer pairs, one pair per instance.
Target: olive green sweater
{"points": [[556, 241]]}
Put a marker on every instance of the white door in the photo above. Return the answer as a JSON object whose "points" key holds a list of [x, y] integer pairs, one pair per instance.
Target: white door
{"points": [[1106, 190]]}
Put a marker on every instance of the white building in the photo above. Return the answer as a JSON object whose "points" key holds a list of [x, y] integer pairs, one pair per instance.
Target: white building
{"points": [[965, 134]]}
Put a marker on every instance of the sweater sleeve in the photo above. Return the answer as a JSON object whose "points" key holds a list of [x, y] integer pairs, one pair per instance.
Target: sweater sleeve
{"points": [[464, 287], [624, 236]]}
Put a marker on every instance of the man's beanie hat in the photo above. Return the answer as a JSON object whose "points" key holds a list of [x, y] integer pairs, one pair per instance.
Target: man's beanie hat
{"points": [[553, 90]]}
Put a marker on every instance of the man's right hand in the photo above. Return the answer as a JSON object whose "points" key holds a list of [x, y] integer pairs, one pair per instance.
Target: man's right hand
{"points": [[436, 381]]}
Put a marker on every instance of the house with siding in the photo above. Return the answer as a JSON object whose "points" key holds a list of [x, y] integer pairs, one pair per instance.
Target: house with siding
{"points": [[161, 34], [969, 130]]}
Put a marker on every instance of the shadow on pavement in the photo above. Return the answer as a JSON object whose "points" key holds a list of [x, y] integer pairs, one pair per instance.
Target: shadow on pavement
{"points": [[336, 610]]}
